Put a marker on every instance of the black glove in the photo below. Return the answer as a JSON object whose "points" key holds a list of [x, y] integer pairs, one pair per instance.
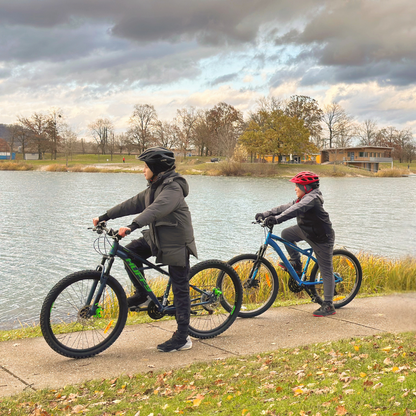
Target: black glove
{"points": [[259, 217], [270, 221]]}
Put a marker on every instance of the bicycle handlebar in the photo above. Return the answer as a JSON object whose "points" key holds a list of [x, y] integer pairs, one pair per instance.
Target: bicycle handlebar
{"points": [[262, 223], [102, 227]]}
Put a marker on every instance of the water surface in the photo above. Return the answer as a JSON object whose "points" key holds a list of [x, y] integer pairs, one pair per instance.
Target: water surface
{"points": [[44, 218]]}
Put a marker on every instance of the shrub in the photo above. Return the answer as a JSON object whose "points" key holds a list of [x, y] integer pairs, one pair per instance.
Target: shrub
{"points": [[56, 168], [15, 166], [392, 172]]}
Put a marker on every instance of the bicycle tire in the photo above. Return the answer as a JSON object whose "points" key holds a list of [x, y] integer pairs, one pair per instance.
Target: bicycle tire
{"points": [[64, 320], [349, 268], [257, 298], [220, 285]]}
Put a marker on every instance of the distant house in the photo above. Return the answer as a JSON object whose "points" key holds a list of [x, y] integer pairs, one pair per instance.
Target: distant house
{"points": [[293, 158], [364, 157], [5, 150]]}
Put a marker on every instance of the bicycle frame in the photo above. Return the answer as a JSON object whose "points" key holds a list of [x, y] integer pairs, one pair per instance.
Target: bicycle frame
{"points": [[129, 258], [308, 252]]}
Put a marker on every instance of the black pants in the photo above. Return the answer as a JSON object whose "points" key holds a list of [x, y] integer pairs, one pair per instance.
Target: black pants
{"points": [[180, 283]]}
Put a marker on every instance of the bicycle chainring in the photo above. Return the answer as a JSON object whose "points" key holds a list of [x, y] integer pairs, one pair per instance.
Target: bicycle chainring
{"points": [[294, 286], [251, 284], [153, 311]]}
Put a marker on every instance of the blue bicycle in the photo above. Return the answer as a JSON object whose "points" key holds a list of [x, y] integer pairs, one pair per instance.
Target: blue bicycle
{"points": [[85, 312], [261, 284]]}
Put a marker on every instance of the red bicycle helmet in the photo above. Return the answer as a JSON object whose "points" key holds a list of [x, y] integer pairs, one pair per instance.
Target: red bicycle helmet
{"points": [[305, 178]]}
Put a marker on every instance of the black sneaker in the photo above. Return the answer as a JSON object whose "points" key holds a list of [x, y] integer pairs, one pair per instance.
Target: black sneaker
{"points": [[137, 299], [326, 309], [176, 343], [297, 265]]}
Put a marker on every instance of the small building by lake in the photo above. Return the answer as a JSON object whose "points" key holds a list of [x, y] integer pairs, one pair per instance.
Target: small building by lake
{"points": [[362, 157]]}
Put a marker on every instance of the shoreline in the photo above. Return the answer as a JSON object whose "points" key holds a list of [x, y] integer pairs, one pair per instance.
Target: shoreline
{"points": [[196, 167]]}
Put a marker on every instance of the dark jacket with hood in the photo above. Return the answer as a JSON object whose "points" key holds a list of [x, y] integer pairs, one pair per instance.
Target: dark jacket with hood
{"points": [[163, 208], [312, 219]]}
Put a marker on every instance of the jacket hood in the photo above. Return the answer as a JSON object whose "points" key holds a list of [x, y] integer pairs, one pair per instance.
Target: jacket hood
{"points": [[315, 193], [173, 176]]}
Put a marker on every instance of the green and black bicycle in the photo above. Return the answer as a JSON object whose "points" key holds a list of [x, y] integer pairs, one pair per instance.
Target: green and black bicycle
{"points": [[85, 312]]}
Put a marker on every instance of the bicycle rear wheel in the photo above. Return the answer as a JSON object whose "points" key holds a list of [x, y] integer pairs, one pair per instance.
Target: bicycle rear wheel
{"points": [[65, 320], [348, 268], [213, 284], [259, 293]]}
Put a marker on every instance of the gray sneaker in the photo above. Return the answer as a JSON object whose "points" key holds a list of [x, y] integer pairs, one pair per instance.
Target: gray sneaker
{"points": [[326, 309], [176, 343]]}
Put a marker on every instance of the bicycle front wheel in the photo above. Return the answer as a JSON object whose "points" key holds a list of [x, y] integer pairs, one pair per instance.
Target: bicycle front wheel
{"points": [[66, 322], [347, 268], [216, 296], [260, 292]]}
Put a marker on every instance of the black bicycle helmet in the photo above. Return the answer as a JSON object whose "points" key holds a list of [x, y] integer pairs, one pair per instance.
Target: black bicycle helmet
{"points": [[158, 159]]}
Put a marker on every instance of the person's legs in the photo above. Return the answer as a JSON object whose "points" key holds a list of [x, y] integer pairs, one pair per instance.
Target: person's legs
{"points": [[141, 248], [323, 253], [293, 234], [180, 287]]}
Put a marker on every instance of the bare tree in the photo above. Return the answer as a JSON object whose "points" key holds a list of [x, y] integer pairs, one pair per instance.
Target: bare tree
{"points": [[336, 121], [185, 122], [166, 134], [37, 125], [21, 136], [68, 141], [226, 125], [101, 129], [203, 137], [142, 124], [367, 133]]}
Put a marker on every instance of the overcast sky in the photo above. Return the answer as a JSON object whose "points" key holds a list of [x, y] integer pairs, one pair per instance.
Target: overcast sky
{"points": [[98, 58]]}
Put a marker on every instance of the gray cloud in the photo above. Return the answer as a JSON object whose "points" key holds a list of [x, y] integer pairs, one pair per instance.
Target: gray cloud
{"points": [[104, 47], [357, 41], [223, 79]]}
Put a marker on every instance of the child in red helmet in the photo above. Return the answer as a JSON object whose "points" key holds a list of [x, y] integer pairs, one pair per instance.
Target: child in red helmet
{"points": [[313, 226]]}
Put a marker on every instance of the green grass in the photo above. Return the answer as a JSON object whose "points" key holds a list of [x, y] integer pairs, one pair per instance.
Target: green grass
{"points": [[374, 375]]}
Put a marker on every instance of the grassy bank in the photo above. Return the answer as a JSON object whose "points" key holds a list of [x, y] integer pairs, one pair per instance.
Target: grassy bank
{"points": [[195, 165], [375, 375]]}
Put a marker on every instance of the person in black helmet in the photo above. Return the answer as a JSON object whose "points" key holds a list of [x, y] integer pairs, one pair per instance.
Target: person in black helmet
{"points": [[170, 236]]}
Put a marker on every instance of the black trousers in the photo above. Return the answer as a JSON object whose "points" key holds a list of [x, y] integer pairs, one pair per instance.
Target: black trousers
{"points": [[180, 284]]}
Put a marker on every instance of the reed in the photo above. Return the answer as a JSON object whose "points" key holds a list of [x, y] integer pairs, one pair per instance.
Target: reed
{"points": [[56, 168], [392, 173], [380, 276], [15, 166]]}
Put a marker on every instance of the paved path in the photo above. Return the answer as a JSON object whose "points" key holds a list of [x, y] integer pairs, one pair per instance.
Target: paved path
{"points": [[31, 365]]}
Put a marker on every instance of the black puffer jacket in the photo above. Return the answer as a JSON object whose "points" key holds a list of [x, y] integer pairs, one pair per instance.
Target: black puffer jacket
{"points": [[163, 208], [312, 219]]}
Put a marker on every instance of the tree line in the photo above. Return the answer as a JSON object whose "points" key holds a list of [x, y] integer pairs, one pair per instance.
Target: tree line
{"points": [[275, 127]]}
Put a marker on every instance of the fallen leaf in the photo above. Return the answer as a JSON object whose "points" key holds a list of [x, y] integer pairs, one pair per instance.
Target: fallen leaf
{"points": [[341, 410], [198, 400]]}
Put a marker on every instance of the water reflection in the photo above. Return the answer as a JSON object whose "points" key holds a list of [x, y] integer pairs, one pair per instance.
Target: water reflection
{"points": [[45, 216]]}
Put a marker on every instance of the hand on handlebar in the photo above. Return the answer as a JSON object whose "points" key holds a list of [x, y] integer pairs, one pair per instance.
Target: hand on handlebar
{"points": [[123, 231], [259, 217], [270, 221]]}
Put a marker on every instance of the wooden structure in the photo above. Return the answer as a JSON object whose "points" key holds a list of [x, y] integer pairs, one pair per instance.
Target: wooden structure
{"points": [[364, 157]]}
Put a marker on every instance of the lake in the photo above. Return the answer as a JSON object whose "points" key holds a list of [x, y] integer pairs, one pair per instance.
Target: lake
{"points": [[45, 216]]}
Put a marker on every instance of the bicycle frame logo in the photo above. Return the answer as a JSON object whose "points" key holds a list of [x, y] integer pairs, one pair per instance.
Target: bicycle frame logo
{"points": [[137, 273]]}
